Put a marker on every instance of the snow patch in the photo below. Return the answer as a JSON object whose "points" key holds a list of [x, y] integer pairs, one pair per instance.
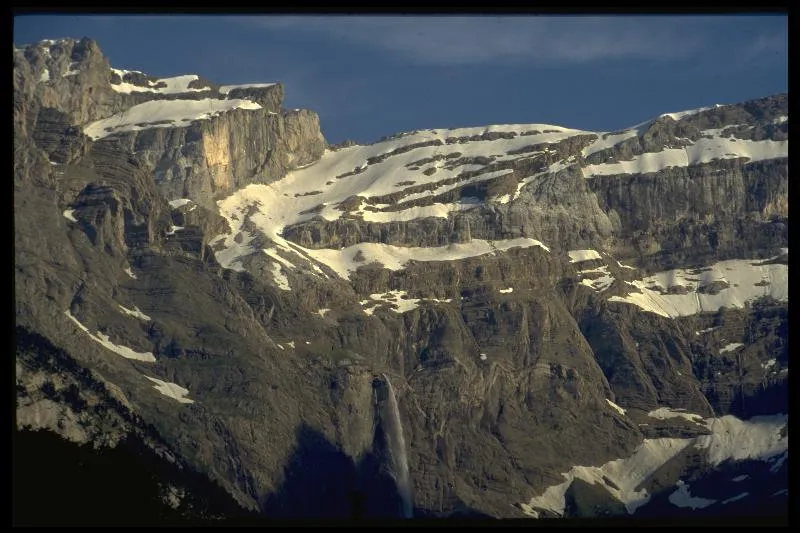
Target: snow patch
{"points": [[683, 498], [323, 312], [665, 413], [171, 390], [599, 283], [174, 85], [124, 351], [45, 75], [395, 298], [134, 312], [73, 70], [730, 347], [756, 438], [130, 273], [607, 140], [737, 479], [180, 202], [616, 407], [681, 114], [703, 150], [706, 330], [173, 229], [506, 291], [578, 256], [163, 114], [230, 257], [397, 257], [225, 89], [280, 278], [436, 210], [769, 363], [737, 497], [274, 255], [69, 214]]}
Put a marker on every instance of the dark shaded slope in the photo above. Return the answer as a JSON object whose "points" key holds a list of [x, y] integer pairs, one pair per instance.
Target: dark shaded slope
{"points": [[134, 480]]}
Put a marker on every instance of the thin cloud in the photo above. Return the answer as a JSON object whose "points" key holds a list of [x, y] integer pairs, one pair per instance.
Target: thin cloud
{"points": [[478, 40], [759, 52], [766, 46]]}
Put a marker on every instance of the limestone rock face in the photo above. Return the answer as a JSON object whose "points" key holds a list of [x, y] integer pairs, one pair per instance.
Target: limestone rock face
{"points": [[63, 86], [193, 259]]}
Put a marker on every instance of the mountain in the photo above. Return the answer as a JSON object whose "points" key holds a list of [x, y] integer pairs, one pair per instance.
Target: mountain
{"points": [[508, 321]]}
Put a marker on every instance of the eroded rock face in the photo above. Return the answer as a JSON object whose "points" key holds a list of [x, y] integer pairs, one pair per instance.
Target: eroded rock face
{"points": [[266, 317]]}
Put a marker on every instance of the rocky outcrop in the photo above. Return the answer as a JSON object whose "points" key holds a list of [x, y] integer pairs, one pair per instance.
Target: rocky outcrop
{"points": [[63, 86], [211, 158]]}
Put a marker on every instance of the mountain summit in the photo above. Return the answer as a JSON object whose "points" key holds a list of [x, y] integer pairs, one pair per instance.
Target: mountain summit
{"points": [[505, 321]]}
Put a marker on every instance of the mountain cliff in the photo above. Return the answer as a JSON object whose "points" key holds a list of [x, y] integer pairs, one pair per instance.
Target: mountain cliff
{"points": [[570, 323]]}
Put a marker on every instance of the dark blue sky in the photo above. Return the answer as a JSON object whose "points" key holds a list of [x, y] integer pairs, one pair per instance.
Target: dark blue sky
{"points": [[373, 76]]}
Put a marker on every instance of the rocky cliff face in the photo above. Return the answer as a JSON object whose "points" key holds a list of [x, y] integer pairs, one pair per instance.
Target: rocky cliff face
{"points": [[540, 298], [69, 85]]}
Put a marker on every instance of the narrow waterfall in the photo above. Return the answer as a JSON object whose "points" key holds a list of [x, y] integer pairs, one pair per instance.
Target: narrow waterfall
{"points": [[393, 426]]}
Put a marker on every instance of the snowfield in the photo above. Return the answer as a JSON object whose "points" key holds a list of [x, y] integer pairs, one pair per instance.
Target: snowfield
{"points": [[731, 439], [397, 180], [702, 151], [344, 261], [364, 172]]}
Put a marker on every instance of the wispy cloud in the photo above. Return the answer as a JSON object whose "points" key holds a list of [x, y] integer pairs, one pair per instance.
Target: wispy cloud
{"points": [[464, 40]]}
